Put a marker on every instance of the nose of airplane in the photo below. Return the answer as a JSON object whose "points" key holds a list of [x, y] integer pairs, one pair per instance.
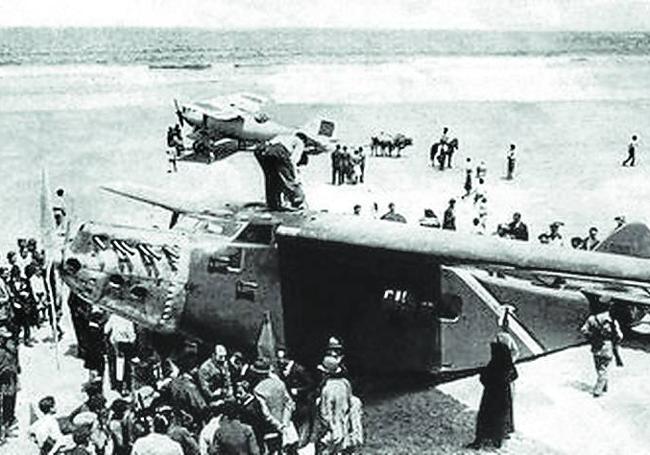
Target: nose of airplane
{"points": [[192, 116], [138, 273]]}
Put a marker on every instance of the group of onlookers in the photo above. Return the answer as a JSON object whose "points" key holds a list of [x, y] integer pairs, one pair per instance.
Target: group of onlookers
{"points": [[24, 305], [348, 166], [224, 404]]}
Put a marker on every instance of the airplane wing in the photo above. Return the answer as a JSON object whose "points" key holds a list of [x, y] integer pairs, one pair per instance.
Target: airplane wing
{"points": [[230, 107], [430, 283], [455, 248], [177, 205]]}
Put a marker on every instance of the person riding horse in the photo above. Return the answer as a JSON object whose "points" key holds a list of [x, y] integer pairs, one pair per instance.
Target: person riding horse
{"points": [[444, 152]]}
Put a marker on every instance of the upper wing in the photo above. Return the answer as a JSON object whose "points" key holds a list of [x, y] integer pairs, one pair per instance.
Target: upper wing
{"points": [[177, 205], [230, 107], [455, 248], [407, 297]]}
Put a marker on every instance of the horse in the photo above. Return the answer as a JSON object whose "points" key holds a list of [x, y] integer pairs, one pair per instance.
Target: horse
{"points": [[444, 152]]}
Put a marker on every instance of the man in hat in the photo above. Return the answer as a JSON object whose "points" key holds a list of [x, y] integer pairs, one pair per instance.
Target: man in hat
{"points": [[214, 376], [503, 335], [279, 160], [333, 408], [277, 405], [449, 217], [553, 237], [94, 398], [301, 388], [603, 333], [517, 229]]}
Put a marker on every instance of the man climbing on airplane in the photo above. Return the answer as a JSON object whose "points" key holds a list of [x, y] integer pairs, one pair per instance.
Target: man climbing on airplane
{"points": [[279, 159]]}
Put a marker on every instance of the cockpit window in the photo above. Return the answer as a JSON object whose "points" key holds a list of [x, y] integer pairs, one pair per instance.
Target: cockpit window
{"points": [[261, 234], [226, 228]]}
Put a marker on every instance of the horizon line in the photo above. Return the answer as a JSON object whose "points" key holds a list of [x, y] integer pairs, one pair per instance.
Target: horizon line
{"points": [[329, 27]]}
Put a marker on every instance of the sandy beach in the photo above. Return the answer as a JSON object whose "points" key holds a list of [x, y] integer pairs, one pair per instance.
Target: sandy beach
{"points": [[107, 124]]}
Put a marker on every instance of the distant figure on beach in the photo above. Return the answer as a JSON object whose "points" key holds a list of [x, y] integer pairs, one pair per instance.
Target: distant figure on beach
{"points": [[59, 207], [392, 215], [171, 159], [468, 178], [517, 229], [429, 219], [452, 146], [444, 138], [481, 170], [346, 165], [631, 152], [361, 161], [449, 218], [477, 227], [494, 421], [337, 158], [603, 333], [620, 222], [591, 241], [356, 210], [511, 157], [553, 237]]}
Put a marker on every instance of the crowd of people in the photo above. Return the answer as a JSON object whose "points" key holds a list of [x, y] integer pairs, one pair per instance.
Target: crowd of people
{"points": [[184, 404], [348, 167], [24, 306]]}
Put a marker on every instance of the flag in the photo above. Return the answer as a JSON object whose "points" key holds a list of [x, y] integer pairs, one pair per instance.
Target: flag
{"points": [[266, 339]]}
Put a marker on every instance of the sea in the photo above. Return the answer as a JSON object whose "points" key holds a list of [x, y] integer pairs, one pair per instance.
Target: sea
{"points": [[155, 46]]}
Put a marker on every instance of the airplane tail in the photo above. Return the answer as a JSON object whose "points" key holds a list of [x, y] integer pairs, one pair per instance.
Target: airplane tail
{"points": [[633, 239], [318, 135]]}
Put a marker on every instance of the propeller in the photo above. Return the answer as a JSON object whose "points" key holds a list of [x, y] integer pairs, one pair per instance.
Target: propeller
{"points": [[179, 113]]}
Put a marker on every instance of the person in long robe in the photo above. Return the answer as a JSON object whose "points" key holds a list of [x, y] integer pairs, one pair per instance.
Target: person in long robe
{"points": [[495, 421]]}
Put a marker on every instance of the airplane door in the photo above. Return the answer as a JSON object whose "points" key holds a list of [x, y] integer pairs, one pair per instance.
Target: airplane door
{"points": [[229, 292]]}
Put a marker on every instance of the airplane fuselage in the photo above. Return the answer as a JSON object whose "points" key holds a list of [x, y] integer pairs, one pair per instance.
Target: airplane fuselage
{"points": [[395, 310]]}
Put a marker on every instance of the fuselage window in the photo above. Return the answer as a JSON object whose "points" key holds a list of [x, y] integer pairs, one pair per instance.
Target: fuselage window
{"points": [[261, 234]]}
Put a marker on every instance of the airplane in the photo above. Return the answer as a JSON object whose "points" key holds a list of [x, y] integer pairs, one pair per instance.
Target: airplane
{"points": [[402, 298], [224, 125]]}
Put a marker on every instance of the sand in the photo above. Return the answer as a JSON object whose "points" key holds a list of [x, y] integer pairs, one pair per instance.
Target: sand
{"points": [[101, 125], [554, 410]]}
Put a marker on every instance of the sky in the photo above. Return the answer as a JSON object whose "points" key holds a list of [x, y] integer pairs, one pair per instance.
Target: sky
{"points": [[619, 15]]}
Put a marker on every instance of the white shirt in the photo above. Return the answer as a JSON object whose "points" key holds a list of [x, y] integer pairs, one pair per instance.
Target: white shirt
{"points": [[44, 428], [156, 444], [207, 435], [119, 329]]}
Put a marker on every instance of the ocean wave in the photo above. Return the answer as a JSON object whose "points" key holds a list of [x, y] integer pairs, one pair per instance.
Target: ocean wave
{"points": [[116, 46]]}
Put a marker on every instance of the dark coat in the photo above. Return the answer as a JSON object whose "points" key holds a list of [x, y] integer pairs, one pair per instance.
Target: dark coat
{"points": [[495, 415], [234, 438]]}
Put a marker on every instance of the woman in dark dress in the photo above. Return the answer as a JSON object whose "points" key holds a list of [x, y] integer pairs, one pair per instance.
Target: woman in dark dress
{"points": [[494, 421]]}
